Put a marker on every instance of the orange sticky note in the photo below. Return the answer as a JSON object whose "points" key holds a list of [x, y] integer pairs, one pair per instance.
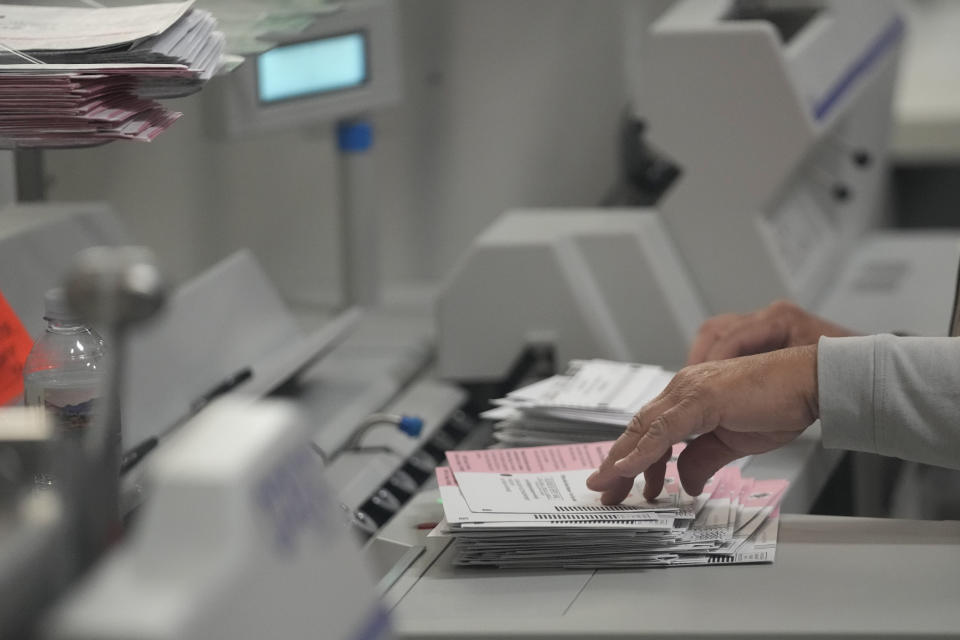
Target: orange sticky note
{"points": [[15, 344]]}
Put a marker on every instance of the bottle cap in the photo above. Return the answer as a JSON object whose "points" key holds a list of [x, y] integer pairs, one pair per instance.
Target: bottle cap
{"points": [[56, 308]]}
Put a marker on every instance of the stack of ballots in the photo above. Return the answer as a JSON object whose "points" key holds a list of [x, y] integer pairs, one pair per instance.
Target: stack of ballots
{"points": [[593, 400], [530, 508], [76, 76]]}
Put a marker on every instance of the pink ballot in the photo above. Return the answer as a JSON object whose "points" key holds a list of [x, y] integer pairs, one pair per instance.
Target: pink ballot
{"points": [[445, 477], [549, 479], [563, 457]]}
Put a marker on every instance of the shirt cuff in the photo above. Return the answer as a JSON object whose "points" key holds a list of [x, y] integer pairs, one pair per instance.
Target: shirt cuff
{"points": [[845, 388]]}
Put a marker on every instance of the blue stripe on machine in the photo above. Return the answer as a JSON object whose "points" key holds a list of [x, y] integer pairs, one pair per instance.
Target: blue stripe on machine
{"points": [[376, 627], [885, 41]]}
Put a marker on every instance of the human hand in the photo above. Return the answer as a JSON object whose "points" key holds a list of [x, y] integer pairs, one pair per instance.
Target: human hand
{"points": [[779, 325], [738, 407]]}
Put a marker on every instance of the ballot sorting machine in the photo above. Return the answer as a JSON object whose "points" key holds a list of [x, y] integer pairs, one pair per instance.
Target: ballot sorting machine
{"points": [[766, 126]]}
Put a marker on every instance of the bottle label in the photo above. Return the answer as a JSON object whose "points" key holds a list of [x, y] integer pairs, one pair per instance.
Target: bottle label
{"points": [[75, 409]]}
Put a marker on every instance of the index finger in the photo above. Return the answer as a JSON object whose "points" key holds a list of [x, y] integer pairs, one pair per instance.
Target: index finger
{"points": [[607, 477], [672, 426], [653, 483]]}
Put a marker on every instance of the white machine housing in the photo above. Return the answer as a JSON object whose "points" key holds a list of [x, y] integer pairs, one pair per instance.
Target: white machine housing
{"points": [[764, 129], [239, 539], [779, 129], [591, 283]]}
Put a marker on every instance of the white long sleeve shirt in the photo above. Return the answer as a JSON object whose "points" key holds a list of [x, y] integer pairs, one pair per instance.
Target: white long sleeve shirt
{"points": [[893, 396]]}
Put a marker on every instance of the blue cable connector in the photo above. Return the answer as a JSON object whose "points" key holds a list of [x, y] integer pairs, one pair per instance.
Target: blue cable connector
{"points": [[410, 425]]}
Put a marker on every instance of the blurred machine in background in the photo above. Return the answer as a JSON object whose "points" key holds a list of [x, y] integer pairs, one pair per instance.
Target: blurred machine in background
{"points": [[226, 332], [356, 379], [240, 539]]}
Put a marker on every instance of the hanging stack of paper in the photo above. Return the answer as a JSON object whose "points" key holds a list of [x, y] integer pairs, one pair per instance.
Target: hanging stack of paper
{"points": [[593, 400], [530, 508], [81, 76]]}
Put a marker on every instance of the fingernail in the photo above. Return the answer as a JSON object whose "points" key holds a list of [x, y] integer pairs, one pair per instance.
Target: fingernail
{"points": [[619, 464], [593, 477]]}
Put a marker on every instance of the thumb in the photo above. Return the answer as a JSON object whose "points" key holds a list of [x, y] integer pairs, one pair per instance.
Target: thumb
{"points": [[701, 458]]}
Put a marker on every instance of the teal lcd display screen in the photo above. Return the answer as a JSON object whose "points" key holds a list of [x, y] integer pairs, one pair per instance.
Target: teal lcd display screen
{"points": [[312, 68]]}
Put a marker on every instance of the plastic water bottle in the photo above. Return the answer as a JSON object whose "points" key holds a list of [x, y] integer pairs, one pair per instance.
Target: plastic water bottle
{"points": [[63, 372]]}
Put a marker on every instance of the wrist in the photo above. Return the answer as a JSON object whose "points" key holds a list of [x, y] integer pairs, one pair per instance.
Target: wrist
{"points": [[803, 379]]}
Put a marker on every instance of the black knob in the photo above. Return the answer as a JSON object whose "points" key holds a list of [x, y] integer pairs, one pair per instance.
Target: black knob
{"points": [[862, 158]]}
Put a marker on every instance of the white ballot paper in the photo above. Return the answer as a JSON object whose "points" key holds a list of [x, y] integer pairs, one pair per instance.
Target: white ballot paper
{"points": [[457, 511], [530, 508], [54, 28], [592, 400]]}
